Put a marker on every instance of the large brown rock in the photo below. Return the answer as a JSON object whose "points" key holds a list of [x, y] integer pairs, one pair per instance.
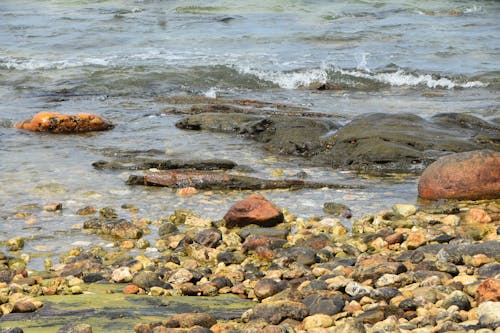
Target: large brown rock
{"points": [[468, 176], [58, 123], [253, 210]]}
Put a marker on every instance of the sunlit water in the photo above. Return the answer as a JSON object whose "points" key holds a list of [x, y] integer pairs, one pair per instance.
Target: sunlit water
{"points": [[117, 58]]}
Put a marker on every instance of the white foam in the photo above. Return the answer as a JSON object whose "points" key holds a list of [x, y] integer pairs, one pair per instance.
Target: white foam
{"points": [[211, 93], [401, 78], [473, 9], [38, 64], [289, 80]]}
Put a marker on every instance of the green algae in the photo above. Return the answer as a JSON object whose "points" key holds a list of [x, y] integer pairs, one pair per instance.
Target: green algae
{"points": [[107, 309]]}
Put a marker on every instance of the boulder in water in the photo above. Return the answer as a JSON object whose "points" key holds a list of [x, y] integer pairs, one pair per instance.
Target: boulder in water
{"points": [[253, 210], [467, 176], [59, 123]]}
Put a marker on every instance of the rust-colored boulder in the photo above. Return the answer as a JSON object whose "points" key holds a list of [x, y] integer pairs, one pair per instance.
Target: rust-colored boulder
{"points": [[489, 290], [467, 176], [253, 210], [59, 123]]}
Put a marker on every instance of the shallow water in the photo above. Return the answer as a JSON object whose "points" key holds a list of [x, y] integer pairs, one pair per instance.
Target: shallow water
{"points": [[118, 58]]}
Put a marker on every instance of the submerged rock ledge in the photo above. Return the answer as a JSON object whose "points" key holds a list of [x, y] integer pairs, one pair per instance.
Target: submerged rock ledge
{"points": [[378, 142]]}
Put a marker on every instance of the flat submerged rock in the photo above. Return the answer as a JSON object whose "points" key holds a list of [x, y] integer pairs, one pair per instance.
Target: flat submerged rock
{"points": [[375, 142]]}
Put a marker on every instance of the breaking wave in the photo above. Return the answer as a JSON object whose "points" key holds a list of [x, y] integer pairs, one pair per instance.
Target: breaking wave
{"points": [[357, 78]]}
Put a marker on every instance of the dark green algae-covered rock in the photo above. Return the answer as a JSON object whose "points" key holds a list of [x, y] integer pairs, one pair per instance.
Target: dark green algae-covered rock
{"points": [[374, 142]]}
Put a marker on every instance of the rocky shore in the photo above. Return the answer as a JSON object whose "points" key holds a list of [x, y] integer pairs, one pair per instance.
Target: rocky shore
{"points": [[433, 268], [426, 268]]}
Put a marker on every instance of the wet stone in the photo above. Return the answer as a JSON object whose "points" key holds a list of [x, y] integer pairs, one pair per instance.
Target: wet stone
{"points": [[385, 293], [371, 316], [351, 325], [130, 289], [301, 254], [181, 276], [266, 232], [24, 306], [376, 266], [108, 213], [167, 228], [467, 176], [489, 314], [408, 304], [92, 277], [252, 242], [337, 209], [116, 228], [489, 290], [414, 257], [324, 305], [15, 244], [357, 290], [404, 210], [148, 279], [53, 207], [59, 123], [253, 210], [208, 237], [88, 210], [447, 267], [231, 257], [276, 312], [489, 270], [267, 287], [458, 299]]}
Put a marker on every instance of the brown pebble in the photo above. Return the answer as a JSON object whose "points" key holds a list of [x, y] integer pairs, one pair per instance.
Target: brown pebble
{"points": [[53, 207], [130, 289], [477, 215], [24, 306], [185, 191]]}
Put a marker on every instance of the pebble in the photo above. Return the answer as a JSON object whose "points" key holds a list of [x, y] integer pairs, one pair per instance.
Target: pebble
{"points": [[357, 290], [457, 298], [15, 244], [266, 288], [489, 314], [317, 320], [122, 275], [53, 207], [404, 210], [130, 289]]}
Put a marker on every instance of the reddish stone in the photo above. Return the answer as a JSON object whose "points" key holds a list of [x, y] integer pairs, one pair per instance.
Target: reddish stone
{"points": [[253, 210], [186, 191], [489, 290], [467, 176], [130, 289], [252, 242], [477, 215], [372, 268], [394, 238], [263, 253], [58, 123]]}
